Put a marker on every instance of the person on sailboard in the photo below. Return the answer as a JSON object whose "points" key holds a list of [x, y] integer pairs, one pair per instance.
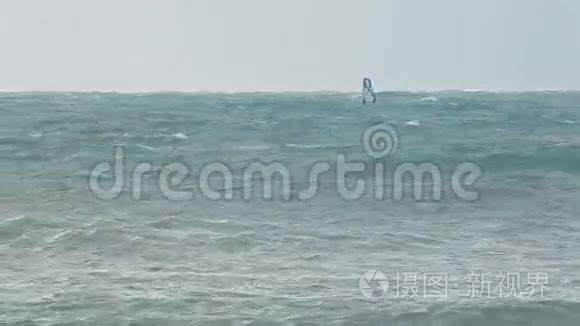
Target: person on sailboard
{"points": [[368, 92]]}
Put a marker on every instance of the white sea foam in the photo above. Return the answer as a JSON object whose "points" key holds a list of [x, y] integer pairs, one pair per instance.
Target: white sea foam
{"points": [[149, 148], [306, 146], [254, 148], [318, 146], [570, 122], [180, 136]]}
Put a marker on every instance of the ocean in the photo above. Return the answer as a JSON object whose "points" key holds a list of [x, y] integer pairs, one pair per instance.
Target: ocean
{"points": [[427, 208]]}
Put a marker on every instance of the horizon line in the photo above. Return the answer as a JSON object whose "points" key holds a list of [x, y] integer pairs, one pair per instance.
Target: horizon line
{"points": [[265, 91]]}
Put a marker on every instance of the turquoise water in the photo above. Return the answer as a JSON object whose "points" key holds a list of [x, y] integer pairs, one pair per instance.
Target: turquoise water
{"points": [[71, 258]]}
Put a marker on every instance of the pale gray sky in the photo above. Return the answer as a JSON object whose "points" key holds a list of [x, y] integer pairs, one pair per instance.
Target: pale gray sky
{"points": [[245, 45]]}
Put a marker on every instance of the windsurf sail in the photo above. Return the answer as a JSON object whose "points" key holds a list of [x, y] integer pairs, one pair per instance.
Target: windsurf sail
{"points": [[368, 92]]}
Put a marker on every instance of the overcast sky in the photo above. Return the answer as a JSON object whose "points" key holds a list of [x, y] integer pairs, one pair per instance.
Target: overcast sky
{"points": [[245, 45]]}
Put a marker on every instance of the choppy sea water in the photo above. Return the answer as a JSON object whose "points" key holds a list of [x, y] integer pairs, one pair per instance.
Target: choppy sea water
{"points": [[70, 258]]}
